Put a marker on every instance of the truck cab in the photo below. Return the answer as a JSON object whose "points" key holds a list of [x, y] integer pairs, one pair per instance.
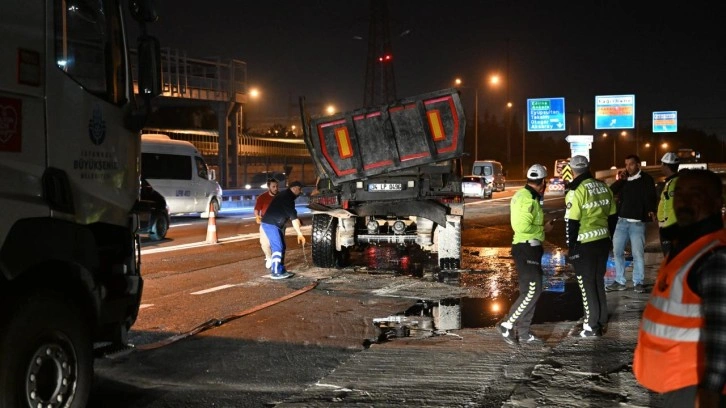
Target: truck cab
{"points": [[70, 273]]}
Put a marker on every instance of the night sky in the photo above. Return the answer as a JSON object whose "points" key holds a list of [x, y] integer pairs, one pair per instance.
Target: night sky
{"points": [[670, 58]]}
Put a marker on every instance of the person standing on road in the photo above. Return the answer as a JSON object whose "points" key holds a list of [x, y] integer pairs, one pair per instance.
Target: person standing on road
{"points": [[527, 220], [667, 226], [263, 201], [590, 213], [681, 349], [637, 205], [281, 209]]}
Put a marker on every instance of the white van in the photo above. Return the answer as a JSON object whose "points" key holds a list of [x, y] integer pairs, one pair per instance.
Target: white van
{"points": [[176, 169], [492, 171]]}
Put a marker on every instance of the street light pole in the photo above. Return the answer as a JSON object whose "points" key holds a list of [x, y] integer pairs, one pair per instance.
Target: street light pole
{"points": [[508, 113], [476, 123], [524, 131]]}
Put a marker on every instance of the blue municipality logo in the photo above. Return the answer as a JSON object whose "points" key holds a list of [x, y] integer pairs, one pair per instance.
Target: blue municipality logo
{"points": [[97, 126]]}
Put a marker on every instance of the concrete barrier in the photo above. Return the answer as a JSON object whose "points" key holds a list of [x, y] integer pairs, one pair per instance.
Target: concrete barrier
{"points": [[242, 198]]}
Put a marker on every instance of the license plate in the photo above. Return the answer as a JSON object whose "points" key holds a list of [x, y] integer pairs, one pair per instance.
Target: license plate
{"points": [[385, 187]]}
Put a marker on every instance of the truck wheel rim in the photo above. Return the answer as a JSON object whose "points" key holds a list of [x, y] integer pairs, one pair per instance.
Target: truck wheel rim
{"points": [[50, 379]]}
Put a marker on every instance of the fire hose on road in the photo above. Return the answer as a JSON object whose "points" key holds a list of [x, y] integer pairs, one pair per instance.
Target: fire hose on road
{"points": [[211, 323]]}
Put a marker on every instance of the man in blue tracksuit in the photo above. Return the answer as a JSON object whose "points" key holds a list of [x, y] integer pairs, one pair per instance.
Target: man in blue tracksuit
{"points": [[281, 209]]}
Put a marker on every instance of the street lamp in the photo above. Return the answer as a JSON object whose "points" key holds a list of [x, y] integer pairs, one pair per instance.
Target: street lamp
{"points": [[457, 83], [254, 94], [615, 140], [494, 80], [663, 145]]}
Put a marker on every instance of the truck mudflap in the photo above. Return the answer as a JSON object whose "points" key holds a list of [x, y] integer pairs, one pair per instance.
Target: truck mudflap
{"points": [[449, 243], [366, 142]]}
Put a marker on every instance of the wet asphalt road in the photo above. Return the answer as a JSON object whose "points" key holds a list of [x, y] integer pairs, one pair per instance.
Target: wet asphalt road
{"points": [[271, 348]]}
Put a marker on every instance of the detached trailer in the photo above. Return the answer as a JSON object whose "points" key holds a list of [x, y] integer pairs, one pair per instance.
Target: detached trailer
{"points": [[389, 174]]}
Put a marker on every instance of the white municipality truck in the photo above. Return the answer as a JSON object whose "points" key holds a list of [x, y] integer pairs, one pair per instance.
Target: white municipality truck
{"points": [[389, 174], [70, 279]]}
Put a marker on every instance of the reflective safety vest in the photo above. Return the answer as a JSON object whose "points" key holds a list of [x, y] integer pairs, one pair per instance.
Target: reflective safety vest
{"points": [[666, 213], [669, 354], [591, 202], [526, 217]]}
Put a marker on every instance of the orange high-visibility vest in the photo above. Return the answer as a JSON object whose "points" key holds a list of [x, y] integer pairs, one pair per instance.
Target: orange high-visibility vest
{"points": [[670, 351]]}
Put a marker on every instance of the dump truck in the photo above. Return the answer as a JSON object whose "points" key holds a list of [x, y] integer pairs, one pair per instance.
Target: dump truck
{"points": [[70, 122], [388, 175]]}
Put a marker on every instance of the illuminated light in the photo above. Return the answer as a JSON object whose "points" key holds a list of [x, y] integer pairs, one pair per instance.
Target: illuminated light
{"points": [[405, 262], [344, 147], [372, 227], [496, 307], [399, 227], [411, 183], [437, 127], [326, 200]]}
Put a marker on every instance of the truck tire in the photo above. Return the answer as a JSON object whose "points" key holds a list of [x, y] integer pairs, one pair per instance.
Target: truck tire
{"points": [[324, 253], [47, 353], [158, 231]]}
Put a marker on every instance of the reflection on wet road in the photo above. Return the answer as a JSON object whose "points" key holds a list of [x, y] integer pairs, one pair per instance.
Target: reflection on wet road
{"points": [[491, 271]]}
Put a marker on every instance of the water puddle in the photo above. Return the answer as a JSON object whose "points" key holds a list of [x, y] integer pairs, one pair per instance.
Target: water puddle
{"points": [[491, 271]]}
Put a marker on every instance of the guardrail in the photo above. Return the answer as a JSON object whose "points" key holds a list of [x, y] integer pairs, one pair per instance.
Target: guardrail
{"points": [[236, 198], [244, 197]]}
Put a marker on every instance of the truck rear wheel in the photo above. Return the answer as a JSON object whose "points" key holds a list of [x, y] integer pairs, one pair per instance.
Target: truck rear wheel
{"points": [[324, 253], [47, 354]]}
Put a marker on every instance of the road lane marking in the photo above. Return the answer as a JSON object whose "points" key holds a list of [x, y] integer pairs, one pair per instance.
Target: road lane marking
{"points": [[237, 238], [144, 306], [214, 289]]}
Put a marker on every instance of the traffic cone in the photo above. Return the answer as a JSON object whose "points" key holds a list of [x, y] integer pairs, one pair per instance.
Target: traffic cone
{"points": [[212, 226]]}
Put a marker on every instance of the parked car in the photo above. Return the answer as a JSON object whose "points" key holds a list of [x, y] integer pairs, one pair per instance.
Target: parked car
{"points": [[493, 171], [153, 212], [476, 186]]}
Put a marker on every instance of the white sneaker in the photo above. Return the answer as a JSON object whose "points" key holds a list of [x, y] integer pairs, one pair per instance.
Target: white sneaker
{"points": [[268, 263]]}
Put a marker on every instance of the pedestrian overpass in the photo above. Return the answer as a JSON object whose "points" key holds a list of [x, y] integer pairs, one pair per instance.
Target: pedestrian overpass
{"points": [[222, 86]]}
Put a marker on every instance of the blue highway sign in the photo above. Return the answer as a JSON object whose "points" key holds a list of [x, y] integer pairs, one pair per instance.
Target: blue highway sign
{"points": [[546, 115], [615, 112], [665, 122]]}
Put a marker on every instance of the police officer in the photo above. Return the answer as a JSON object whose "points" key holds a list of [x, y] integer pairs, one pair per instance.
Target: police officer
{"points": [[527, 219], [667, 226], [591, 215]]}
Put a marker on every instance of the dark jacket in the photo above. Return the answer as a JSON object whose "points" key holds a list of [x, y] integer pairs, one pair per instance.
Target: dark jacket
{"points": [[281, 209], [636, 197]]}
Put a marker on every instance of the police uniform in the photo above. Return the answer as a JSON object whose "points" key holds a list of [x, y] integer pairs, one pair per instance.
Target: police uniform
{"points": [[590, 211], [527, 220], [667, 226]]}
